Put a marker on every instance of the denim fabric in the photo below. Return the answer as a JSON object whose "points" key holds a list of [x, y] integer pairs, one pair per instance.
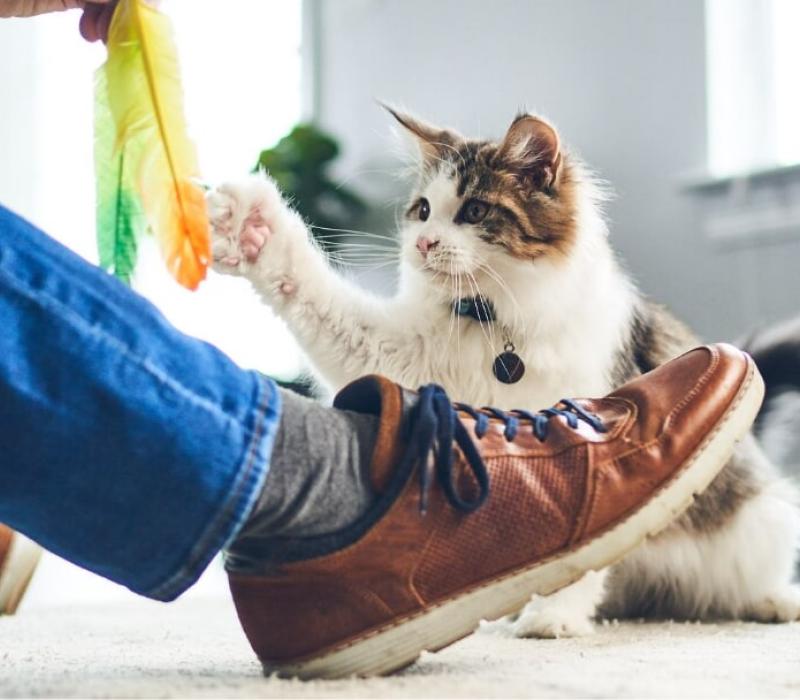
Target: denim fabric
{"points": [[126, 447]]}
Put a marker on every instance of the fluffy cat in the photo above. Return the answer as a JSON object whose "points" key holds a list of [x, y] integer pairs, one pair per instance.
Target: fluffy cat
{"points": [[519, 224]]}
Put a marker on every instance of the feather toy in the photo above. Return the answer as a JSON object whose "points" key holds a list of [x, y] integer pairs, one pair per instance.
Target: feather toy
{"points": [[146, 166]]}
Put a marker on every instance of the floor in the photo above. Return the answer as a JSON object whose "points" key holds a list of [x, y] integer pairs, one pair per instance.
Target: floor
{"points": [[194, 648]]}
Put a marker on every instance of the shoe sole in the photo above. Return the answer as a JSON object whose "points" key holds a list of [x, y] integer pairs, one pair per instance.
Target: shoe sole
{"points": [[17, 571], [389, 649]]}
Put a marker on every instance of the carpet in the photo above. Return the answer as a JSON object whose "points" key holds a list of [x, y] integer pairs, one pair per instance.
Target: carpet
{"points": [[194, 648]]}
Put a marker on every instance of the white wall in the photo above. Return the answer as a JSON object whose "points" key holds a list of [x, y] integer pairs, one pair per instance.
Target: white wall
{"points": [[622, 79], [18, 102]]}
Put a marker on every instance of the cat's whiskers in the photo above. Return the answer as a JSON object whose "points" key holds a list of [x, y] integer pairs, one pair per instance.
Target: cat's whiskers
{"points": [[366, 254], [518, 319], [357, 232], [365, 249], [361, 256], [375, 263], [355, 254], [372, 253], [452, 290], [453, 315], [486, 329], [440, 360], [458, 320]]}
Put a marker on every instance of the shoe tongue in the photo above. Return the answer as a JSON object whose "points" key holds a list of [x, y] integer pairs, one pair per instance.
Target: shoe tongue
{"points": [[380, 397]]}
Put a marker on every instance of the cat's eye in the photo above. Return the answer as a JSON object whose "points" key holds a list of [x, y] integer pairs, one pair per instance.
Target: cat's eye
{"points": [[474, 211], [424, 209]]}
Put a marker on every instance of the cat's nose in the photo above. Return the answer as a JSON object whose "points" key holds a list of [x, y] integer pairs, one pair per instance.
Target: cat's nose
{"points": [[425, 244]]}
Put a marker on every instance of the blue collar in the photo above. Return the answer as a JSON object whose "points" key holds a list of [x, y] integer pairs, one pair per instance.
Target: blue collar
{"points": [[478, 308]]}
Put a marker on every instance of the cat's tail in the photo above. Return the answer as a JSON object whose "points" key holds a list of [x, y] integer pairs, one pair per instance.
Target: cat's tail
{"points": [[776, 351]]}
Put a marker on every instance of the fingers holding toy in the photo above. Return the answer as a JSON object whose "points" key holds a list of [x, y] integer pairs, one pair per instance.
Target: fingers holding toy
{"points": [[29, 8], [96, 20], [97, 15], [94, 23]]}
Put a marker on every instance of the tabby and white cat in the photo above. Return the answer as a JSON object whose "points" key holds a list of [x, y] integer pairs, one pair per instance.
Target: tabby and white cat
{"points": [[519, 224]]}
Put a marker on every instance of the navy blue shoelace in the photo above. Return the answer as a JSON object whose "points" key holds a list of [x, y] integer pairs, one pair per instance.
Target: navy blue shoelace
{"points": [[436, 426]]}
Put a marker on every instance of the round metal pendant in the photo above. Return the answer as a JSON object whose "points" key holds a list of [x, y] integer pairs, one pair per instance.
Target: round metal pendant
{"points": [[508, 367]]}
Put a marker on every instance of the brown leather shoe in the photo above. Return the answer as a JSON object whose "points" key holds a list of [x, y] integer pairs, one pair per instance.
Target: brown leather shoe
{"points": [[18, 559], [481, 509]]}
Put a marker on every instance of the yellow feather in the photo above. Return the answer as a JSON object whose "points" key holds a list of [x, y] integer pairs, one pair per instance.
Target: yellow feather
{"points": [[146, 101]]}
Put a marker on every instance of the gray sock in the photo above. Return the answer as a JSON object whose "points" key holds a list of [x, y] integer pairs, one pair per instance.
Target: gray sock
{"points": [[318, 480]]}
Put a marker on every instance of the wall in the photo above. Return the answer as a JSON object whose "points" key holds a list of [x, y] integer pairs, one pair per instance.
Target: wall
{"points": [[17, 139], [622, 79]]}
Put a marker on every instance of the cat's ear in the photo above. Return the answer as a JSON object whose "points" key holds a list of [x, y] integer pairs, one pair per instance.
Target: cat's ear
{"points": [[532, 147], [434, 143]]}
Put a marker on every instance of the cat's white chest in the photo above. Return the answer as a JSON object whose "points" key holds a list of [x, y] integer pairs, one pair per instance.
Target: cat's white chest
{"points": [[534, 391], [463, 365]]}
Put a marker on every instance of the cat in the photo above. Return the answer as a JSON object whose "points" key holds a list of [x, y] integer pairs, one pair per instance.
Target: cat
{"points": [[517, 227]]}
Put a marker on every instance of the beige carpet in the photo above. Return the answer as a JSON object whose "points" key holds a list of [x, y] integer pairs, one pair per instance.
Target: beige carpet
{"points": [[195, 648]]}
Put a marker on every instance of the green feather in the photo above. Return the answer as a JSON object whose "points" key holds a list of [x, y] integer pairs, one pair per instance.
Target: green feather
{"points": [[120, 218]]}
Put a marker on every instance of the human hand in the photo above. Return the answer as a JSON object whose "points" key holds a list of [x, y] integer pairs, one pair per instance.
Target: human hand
{"points": [[94, 23], [97, 19], [29, 8]]}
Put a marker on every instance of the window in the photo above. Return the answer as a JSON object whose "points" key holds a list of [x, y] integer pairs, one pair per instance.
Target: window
{"points": [[241, 71], [753, 90]]}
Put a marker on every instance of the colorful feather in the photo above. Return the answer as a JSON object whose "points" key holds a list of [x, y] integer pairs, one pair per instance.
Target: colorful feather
{"points": [[146, 165]]}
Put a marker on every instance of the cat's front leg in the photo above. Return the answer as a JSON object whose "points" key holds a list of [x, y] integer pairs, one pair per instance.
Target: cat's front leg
{"points": [[256, 235], [567, 613]]}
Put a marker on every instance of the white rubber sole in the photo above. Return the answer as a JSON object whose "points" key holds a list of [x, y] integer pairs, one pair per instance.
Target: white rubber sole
{"points": [[18, 567], [395, 647]]}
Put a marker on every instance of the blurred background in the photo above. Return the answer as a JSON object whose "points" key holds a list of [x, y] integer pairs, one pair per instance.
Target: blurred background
{"points": [[690, 109]]}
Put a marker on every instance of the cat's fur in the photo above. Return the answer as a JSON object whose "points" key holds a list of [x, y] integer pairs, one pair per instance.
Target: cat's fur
{"points": [[520, 222]]}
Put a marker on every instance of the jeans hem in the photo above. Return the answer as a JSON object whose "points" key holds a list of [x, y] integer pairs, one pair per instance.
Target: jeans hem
{"points": [[242, 496]]}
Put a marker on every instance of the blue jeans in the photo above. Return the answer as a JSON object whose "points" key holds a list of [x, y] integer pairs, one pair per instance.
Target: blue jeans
{"points": [[126, 447]]}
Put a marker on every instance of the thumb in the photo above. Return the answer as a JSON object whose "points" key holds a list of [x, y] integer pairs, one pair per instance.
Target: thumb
{"points": [[96, 20]]}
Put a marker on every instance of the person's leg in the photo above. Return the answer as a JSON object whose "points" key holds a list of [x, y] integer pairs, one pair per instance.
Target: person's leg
{"points": [[127, 447], [138, 452]]}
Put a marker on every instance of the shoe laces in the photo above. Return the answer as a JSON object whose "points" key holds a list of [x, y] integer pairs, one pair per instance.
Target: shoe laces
{"points": [[572, 413], [436, 426]]}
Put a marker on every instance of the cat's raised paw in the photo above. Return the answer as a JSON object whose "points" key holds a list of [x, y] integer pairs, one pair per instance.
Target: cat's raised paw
{"points": [[243, 217], [552, 623]]}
